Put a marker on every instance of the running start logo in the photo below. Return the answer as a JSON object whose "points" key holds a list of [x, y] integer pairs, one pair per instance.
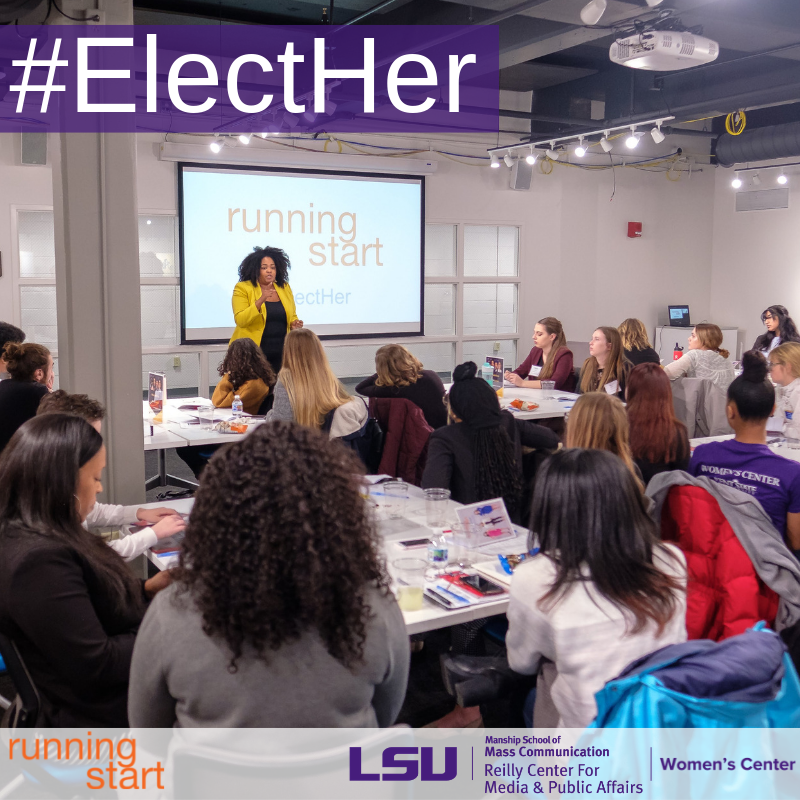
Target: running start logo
{"points": [[412, 764]]}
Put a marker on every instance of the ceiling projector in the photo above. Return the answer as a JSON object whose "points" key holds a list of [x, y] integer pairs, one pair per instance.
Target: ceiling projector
{"points": [[663, 50]]}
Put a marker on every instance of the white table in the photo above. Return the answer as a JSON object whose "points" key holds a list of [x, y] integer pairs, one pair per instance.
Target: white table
{"points": [[176, 431], [412, 526], [780, 447], [552, 404]]}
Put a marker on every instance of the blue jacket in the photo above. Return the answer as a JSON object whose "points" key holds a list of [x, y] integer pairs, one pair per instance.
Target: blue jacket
{"points": [[747, 681]]}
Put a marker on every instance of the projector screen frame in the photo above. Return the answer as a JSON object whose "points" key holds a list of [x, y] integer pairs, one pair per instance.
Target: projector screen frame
{"points": [[181, 165]]}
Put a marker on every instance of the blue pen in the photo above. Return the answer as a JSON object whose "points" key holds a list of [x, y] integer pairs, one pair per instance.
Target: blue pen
{"points": [[441, 589]]}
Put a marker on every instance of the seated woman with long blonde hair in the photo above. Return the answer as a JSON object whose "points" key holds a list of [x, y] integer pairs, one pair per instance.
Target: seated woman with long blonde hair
{"points": [[309, 393], [400, 374], [598, 422]]}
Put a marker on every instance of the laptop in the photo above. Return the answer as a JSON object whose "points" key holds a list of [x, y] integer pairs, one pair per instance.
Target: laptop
{"points": [[679, 317]]}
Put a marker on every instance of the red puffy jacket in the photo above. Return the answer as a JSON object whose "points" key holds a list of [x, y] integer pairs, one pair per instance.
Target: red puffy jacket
{"points": [[725, 595]]}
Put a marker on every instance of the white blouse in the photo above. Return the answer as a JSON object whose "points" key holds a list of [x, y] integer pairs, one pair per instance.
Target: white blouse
{"points": [[583, 634], [702, 364]]}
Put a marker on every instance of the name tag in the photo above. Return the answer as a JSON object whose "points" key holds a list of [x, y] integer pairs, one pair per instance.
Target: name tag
{"points": [[612, 387], [535, 371]]}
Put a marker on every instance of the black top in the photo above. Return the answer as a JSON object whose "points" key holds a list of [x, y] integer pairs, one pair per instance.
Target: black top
{"points": [[427, 393], [18, 403], [649, 469], [76, 648], [644, 355], [274, 333], [450, 462], [621, 384]]}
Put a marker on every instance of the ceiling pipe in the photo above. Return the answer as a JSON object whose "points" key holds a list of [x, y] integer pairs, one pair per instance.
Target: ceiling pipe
{"points": [[760, 144]]}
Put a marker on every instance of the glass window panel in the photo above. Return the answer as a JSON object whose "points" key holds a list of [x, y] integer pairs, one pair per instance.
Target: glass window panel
{"points": [[490, 250], [440, 250], [55, 374], [490, 308], [440, 309], [182, 380], [158, 247], [477, 352], [38, 315], [438, 356], [161, 317], [37, 248]]}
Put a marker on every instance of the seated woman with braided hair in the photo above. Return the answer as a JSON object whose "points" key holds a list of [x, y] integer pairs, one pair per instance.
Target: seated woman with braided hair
{"points": [[281, 613], [478, 456]]}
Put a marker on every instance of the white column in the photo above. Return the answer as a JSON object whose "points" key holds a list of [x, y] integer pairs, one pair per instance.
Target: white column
{"points": [[97, 287]]}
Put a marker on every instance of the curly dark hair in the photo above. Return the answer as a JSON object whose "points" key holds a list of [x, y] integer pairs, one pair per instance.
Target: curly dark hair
{"points": [[244, 361], [79, 405], [250, 268], [266, 566]]}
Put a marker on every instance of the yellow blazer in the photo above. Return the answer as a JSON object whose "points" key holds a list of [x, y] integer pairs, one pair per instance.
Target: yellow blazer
{"points": [[249, 320]]}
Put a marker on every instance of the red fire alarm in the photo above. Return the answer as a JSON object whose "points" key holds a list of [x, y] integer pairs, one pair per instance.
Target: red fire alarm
{"points": [[634, 230]]}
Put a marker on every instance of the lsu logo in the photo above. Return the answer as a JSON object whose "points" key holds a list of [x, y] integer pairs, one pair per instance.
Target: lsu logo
{"points": [[411, 767]]}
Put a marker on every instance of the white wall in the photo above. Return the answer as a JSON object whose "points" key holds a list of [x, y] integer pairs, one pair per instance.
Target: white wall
{"points": [[755, 257], [576, 260]]}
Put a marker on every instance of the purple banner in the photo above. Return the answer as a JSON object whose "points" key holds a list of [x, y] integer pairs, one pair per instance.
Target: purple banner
{"points": [[249, 79]]}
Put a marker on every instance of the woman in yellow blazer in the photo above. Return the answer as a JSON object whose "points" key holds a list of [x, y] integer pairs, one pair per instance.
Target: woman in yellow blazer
{"points": [[263, 304]]}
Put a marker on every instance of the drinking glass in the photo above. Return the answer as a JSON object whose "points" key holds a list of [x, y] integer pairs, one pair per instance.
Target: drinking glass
{"points": [[395, 496], [436, 503], [548, 386], [464, 537], [205, 416], [410, 580]]}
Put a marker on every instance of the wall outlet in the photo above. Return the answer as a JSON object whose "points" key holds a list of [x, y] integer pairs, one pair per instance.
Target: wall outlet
{"points": [[497, 347], [176, 362]]}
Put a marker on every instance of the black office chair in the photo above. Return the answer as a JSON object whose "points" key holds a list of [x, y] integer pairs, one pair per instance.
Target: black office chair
{"points": [[24, 710]]}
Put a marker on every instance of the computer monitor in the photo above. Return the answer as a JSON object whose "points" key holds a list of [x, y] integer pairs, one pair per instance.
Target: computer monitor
{"points": [[679, 317]]}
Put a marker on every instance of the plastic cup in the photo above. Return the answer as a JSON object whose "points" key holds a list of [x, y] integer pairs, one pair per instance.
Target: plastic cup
{"points": [[464, 537], [395, 496], [410, 580], [548, 386], [436, 504], [205, 416]]}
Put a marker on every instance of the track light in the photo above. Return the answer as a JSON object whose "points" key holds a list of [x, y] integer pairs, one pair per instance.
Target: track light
{"points": [[330, 106], [507, 160], [291, 120], [530, 158], [552, 153], [782, 179], [592, 11], [657, 134], [736, 182], [493, 162], [756, 180], [309, 116], [244, 138], [580, 150], [633, 139], [216, 145], [605, 143]]}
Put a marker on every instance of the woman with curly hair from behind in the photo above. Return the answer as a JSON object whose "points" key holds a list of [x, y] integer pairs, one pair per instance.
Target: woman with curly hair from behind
{"points": [[244, 371], [280, 614]]}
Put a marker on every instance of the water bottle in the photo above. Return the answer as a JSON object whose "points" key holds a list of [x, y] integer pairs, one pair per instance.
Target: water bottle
{"points": [[238, 407], [437, 551], [487, 373]]}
